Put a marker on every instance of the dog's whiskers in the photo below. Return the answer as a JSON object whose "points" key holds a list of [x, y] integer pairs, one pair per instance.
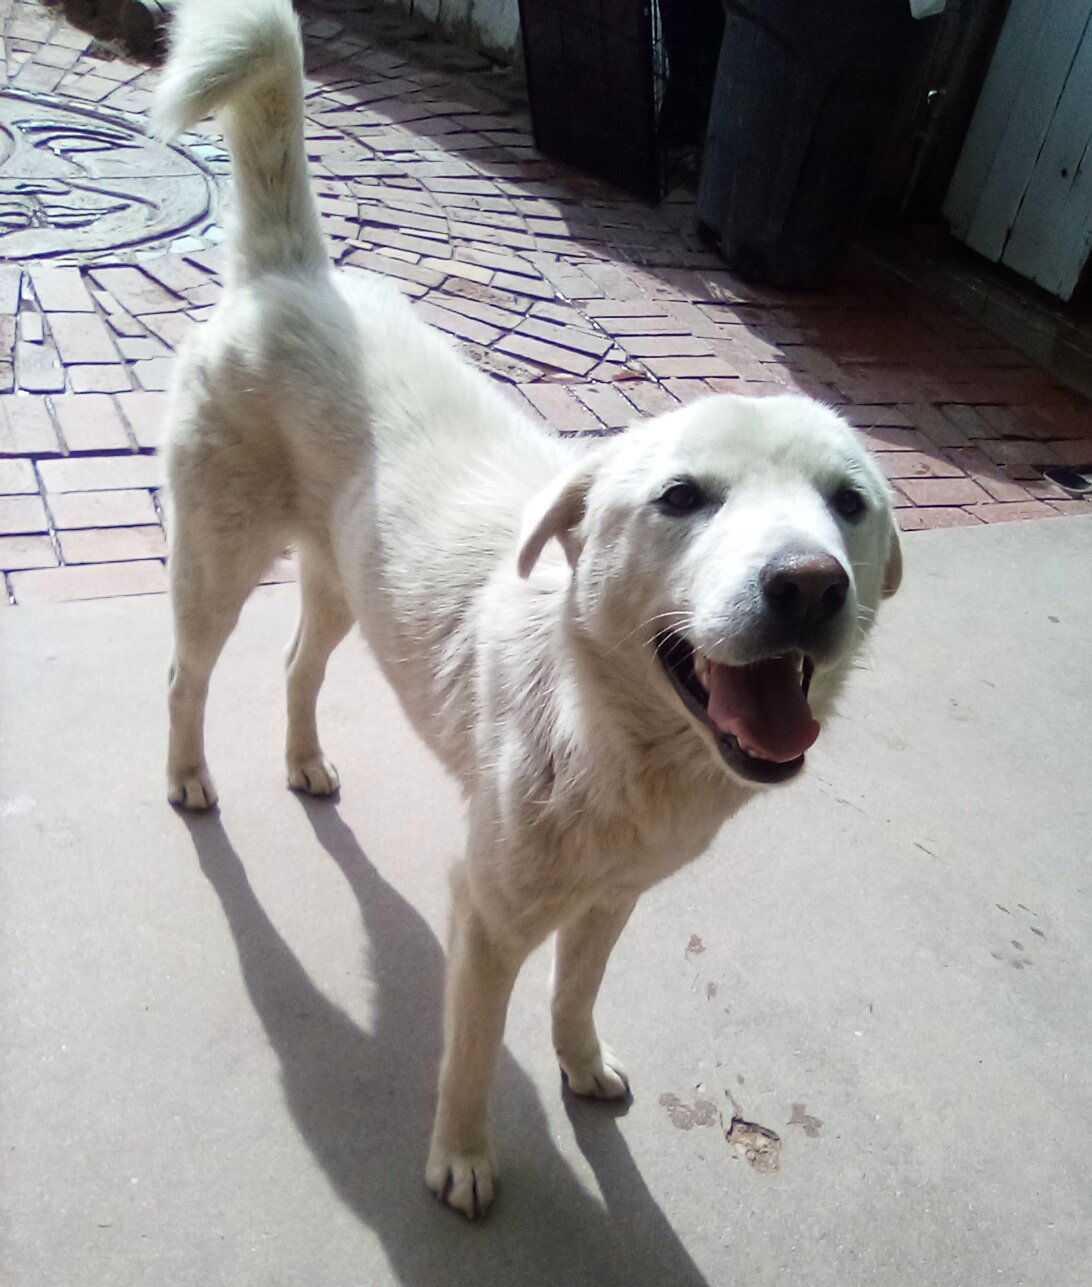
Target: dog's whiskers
{"points": [[680, 617]]}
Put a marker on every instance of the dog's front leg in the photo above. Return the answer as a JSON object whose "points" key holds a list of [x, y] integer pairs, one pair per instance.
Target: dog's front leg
{"points": [[480, 973], [580, 960]]}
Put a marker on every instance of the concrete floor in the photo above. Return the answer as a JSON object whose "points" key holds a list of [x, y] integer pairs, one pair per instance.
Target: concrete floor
{"points": [[219, 1035]]}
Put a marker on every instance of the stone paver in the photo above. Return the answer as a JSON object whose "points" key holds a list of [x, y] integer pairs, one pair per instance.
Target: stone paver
{"points": [[594, 309]]}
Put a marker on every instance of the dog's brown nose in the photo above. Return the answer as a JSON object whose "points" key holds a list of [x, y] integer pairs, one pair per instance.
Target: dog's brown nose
{"points": [[805, 589]]}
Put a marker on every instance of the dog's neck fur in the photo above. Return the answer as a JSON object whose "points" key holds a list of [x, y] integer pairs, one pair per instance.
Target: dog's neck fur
{"points": [[640, 790]]}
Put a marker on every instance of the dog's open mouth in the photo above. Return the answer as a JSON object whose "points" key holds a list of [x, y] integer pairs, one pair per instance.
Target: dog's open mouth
{"points": [[759, 713]]}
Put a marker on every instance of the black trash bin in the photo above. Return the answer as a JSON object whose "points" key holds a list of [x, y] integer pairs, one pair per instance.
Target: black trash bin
{"points": [[592, 86], [805, 92]]}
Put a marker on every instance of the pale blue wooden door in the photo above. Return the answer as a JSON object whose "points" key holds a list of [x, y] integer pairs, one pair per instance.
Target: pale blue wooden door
{"points": [[1022, 192]]}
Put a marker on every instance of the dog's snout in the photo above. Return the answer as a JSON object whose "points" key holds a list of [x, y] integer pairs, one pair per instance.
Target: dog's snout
{"points": [[805, 589]]}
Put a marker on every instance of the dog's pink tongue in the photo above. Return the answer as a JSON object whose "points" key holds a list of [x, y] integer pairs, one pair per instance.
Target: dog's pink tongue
{"points": [[764, 706]]}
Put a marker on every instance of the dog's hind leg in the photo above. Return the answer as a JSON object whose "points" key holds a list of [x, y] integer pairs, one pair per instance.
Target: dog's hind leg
{"points": [[324, 621], [580, 960], [210, 578]]}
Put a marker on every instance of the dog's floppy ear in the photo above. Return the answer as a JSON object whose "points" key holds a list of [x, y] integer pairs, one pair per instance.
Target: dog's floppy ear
{"points": [[556, 511], [892, 573]]}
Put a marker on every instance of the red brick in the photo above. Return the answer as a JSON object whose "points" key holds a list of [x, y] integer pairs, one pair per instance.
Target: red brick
{"points": [[174, 273], [1081, 508], [891, 438], [154, 374], [995, 513], [70, 37], [928, 519], [486, 295], [25, 428], [567, 336], [535, 287], [203, 296], [136, 292], [10, 281], [26, 552], [33, 78], [90, 88], [690, 390], [1017, 451], [556, 404], [112, 544], [932, 422], [1037, 487], [1075, 452], [942, 491], [54, 56], [457, 268], [102, 509], [988, 476], [497, 260], [90, 422], [916, 464], [503, 318], [650, 399], [100, 473], [482, 228], [1017, 422], [645, 345], [171, 328], [545, 354], [92, 581], [466, 328], [877, 384], [641, 328], [623, 308], [17, 477], [695, 368], [146, 412], [1069, 416], [22, 515], [107, 378], [142, 346], [606, 404], [61, 290], [38, 368], [80, 337], [375, 261], [967, 426]]}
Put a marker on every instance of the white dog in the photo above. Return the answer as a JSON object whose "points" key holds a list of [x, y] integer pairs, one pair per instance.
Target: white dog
{"points": [[611, 650]]}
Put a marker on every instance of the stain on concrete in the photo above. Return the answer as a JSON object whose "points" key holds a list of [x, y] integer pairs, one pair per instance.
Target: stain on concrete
{"points": [[801, 1117], [695, 947], [684, 1116]]}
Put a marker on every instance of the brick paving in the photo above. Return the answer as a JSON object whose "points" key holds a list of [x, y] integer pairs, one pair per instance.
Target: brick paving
{"points": [[589, 308]]}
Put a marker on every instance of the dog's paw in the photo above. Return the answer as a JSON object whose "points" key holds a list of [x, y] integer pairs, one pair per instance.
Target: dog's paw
{"points": [[462, 1180], [315, 776], [603, 1077], [192, 789]]}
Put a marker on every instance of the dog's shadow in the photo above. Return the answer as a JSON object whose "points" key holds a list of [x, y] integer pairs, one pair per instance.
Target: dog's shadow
{"points": [[362, 1101]]}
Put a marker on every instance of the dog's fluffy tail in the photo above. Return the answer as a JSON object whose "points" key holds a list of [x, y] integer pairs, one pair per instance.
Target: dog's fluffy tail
{"points": [[242, 59]]}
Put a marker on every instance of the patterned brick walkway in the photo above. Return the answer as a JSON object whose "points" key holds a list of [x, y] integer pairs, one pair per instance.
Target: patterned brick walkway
{"points": [[590, 308]]}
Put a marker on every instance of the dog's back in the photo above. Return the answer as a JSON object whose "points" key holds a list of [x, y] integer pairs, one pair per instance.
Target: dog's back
{"points": [[308, 386]]}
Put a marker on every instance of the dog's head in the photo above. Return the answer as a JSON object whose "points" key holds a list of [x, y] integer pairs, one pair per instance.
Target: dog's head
{"points": [[745, 544]]}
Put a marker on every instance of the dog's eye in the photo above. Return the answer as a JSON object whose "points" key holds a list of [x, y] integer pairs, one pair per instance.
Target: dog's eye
{"points": [[681, 498], [849, 502]]}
